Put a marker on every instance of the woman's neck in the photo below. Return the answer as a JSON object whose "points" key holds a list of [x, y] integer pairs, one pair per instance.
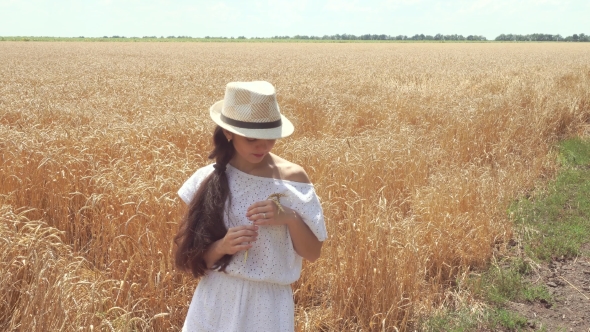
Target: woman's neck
{"points": [[251, 168]]}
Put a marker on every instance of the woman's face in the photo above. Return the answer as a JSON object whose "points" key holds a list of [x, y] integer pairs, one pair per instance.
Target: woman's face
{"points": [[252, 150]]}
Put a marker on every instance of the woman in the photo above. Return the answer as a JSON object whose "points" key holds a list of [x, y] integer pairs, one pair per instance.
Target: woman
{"points": [[252, 217]]}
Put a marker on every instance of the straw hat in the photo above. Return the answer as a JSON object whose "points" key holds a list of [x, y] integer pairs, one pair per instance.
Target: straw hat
{"points": [[250, 109]]}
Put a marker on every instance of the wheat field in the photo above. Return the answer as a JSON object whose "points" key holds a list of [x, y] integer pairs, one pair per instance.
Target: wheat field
{"points": [[416, 151]]}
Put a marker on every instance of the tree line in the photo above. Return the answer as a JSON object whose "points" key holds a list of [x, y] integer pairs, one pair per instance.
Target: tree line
{"points": [[438, 37], [544, 37], [503, 37], [382, 37], [336, 37]]}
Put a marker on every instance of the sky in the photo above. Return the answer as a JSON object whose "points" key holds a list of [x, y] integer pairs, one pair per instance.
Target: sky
{"points": [[267, 18]]}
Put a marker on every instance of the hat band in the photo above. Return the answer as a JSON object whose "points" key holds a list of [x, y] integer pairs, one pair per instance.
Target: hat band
{"points": [[250, 125]]}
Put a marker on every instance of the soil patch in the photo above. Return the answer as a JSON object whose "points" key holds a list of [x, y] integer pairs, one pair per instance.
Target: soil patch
{"points": [[569, 283]]}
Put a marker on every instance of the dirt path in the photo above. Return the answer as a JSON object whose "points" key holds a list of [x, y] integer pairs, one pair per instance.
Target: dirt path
{"points": [[569, 283]]}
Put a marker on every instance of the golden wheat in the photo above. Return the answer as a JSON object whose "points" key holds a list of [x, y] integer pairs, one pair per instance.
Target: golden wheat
{"points": [[415, 149]]}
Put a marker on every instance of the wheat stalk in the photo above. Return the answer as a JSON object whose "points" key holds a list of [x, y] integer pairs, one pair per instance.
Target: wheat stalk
{"points": [[415, 150]]}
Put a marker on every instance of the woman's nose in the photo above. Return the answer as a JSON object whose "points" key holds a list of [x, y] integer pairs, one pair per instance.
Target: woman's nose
{"points": [[265, 144]]}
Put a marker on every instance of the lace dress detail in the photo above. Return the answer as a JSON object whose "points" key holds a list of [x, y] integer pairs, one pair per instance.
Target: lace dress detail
{"points": [[254, 295]]}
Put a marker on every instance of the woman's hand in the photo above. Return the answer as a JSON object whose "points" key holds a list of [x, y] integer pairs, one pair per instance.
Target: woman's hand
{"points": [[267, 213], [305, 243], [237, 239]]}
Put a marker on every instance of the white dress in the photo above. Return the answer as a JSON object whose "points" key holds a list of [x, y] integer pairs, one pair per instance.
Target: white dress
{"points": [[254, 295]]}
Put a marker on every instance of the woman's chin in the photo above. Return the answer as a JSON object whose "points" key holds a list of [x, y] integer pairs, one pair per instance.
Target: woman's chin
{"points": [[256, 158]]}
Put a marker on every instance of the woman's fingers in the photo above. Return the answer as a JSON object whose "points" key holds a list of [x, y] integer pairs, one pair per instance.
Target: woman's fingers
{"points": [[239, 247], [239, 238], [262, 216], [244, 238], [243, 228], [243, 247], [255, 206], [261, 213], [262, 222], [260, 208], [243, 234], [265, 213]]}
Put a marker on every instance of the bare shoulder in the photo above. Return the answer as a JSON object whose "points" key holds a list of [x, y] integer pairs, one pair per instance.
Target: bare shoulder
{"points": [[290, 171]]}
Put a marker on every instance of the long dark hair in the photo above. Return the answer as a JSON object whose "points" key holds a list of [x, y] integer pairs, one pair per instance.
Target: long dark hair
{"points": [[203, 223]]}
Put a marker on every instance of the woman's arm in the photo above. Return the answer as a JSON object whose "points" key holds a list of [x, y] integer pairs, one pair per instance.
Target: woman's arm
{"points": [[305, 243]]}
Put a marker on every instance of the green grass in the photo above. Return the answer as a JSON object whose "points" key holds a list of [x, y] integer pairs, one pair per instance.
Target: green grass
{"points": [[557, 222], [465, 320], [506, 319], [452, 322], [498, 285], [553, 223]]}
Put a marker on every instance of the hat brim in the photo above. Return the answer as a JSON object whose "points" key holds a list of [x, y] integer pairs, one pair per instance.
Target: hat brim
{"points": [[284, 130]]}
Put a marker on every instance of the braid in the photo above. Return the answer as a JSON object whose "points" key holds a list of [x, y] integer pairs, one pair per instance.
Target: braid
{"points": [[203, 224]]}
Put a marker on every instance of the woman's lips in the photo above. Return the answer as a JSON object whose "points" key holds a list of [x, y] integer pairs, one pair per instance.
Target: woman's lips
{"points": [[258, 155]]}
